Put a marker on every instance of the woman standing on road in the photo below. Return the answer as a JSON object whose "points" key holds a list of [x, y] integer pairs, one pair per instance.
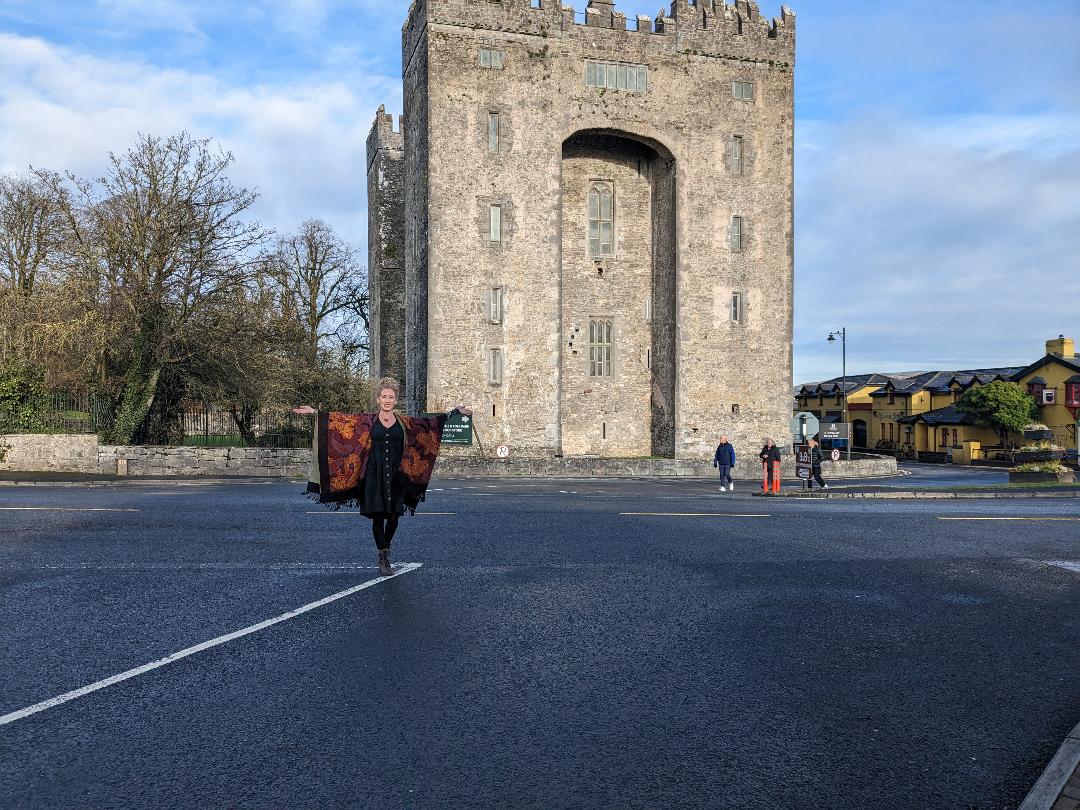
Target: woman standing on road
{"points": [[380, 462], [770, 461]]}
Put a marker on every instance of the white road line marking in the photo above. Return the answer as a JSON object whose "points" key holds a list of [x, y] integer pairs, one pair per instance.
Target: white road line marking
{"points": [[61, 509], [690, 514], [1069, 565], [343, 512], [1052, 519], [206, 645]]}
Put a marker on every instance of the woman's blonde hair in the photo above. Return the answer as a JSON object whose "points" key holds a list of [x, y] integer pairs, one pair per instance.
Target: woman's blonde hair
{"points": [[388, 382]]}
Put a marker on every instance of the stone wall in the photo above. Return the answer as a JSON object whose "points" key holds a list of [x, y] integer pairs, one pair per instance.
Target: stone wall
{"points": [[248, 462], [386, 247], [712, 374], [83, 454], [34, 453]]}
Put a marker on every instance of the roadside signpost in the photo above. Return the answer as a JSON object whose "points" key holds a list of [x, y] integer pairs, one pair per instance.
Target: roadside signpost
{"points": [[803, 463], [457, 429], [803, 426], [838, 435]]}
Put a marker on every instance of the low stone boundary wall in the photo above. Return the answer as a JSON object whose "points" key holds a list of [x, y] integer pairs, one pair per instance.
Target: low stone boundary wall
{"points": [[859, 468], [40, 452], [83, 454], [249, 462], [461, 465]]}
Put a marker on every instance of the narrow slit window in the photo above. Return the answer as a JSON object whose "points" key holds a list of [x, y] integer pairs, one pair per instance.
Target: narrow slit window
{"points": [[736, 308], [602, 219], [495, 223], [737, 154], [493, 131], [495, 305], [495, 366], [736, 234]]}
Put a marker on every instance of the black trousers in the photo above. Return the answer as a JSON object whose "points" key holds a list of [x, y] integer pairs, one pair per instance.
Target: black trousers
{"points": [[383, 529], [817, 477]]}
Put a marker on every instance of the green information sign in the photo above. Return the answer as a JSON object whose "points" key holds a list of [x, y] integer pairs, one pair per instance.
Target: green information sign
{"points": [[457, 429]]}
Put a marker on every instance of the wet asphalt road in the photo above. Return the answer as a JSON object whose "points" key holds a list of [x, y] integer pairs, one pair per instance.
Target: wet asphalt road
{"points": [[553, 650]]}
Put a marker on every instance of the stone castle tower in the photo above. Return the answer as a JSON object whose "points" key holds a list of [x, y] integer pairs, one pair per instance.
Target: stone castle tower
{"points": [[584, 229]]}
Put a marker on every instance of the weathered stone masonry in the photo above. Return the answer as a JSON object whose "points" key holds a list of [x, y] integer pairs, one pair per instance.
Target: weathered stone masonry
{"points": [[683, 369], [386, 246]]}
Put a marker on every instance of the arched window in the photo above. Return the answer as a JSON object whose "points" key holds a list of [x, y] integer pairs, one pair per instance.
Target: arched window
{"points": [[601, 219]]}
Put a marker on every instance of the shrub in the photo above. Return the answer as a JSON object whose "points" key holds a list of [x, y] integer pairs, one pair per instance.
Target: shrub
{"points": [[1046, 467]]}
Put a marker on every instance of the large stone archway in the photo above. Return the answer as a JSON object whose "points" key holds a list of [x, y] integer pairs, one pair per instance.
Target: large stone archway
{"points": [[617, 364]]}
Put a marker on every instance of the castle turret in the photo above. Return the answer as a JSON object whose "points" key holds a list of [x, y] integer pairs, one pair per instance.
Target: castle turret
{"points": [[386, 246]]}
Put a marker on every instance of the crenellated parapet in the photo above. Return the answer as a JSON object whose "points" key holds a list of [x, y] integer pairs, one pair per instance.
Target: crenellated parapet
{"points": [[383, 136], [711, 27]]}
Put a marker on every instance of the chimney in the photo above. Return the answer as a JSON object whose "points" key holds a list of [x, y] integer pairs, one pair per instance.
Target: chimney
{"points": [[1062, 347]]}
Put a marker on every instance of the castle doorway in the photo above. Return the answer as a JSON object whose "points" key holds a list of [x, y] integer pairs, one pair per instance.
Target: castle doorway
{"points": [[617, 296]]}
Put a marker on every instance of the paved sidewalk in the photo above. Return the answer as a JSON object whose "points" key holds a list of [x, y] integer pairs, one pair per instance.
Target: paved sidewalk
{"points": [[69, 479], [1059, 786]]}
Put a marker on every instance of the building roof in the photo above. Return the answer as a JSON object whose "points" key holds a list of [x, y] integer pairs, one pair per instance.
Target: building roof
{"points": [[1070, 363], [949, 415]]}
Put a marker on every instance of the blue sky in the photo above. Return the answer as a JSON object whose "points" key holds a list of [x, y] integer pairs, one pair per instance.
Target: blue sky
{"points": [[938, 144]]}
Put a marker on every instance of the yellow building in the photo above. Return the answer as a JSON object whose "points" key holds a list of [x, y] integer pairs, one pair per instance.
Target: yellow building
{"points": [[915, 413], [1054, 381]]}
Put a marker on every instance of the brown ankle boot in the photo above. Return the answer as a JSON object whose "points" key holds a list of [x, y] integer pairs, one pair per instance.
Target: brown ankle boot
{"points": [[384, 562]]}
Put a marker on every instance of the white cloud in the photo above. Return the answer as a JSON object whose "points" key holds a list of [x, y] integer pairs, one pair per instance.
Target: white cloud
{"points": [[952, 242], [301, 145]]}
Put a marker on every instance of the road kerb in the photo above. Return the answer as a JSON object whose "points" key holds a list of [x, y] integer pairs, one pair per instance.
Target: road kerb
{"points": [[1065, 763]]}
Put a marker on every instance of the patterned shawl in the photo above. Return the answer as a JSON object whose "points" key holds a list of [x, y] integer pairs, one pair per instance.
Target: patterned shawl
{"points": [[342, 446]]}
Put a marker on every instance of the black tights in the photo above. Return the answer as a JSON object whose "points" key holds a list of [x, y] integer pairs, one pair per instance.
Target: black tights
{"points": [[383, 529]]}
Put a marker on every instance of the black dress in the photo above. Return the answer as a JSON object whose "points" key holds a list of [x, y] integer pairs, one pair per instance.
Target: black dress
{"points": [[384, 492]]}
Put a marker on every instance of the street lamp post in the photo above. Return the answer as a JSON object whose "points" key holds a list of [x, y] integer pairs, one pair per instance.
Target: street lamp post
{"points": [[842, 332]]}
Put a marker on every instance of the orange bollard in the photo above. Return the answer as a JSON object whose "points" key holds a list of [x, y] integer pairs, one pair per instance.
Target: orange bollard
{"points": [[776, 477], [765, 476]]}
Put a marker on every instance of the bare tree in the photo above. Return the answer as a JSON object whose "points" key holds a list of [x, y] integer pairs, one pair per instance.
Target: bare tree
{"points": [[31, 230], [160, 242], [323, 289]]}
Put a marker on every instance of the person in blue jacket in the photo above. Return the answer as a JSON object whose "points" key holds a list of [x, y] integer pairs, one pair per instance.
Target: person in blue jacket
{"points": [[724, 460]]}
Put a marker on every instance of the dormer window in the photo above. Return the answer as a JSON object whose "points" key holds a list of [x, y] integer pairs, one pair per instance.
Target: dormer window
{"points": [[892, 398], [1035, 387]]}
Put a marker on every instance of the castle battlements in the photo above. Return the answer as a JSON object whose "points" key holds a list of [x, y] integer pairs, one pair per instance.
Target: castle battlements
{"points": [[384, 136], [711, 27]]}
